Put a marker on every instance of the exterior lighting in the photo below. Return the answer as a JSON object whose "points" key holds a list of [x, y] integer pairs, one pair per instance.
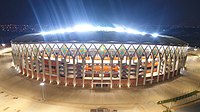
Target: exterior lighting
{"points": [[195, 49], [42, 84], [83, 28], [3, 45], [91, 28], [155, 35], [143, 33]]}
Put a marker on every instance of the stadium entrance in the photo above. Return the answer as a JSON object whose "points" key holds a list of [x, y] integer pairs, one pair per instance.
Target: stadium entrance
{"points": [[101, 84]]}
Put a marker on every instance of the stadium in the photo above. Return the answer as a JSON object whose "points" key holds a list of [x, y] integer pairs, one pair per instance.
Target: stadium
{"points": [[99, 57]]}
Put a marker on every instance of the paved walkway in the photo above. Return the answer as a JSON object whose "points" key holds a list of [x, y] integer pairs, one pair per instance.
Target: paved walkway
{"points": [[60, 98]]}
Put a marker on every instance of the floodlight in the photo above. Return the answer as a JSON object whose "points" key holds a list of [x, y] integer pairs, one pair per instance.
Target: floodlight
{"points": [[143, 33], [42, 84], [91, 28], [83, 28], [155, 35]]}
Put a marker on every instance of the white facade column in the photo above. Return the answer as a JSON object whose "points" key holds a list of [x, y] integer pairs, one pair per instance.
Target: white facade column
{"points": [[137, 71], [57, 70], [43, 67], [83, 72], [74, 72], [120, 72], [174, 65], [177, 66], [164, 67], [50, 68], [158, 68], [22, 61], [92, 72], [65, 68], [145, 71], [102, 73], [129, 72], [152, 68], [27, 64], [32, 70], [169, 67], [18, 63], [37, 66], [111, 71]]}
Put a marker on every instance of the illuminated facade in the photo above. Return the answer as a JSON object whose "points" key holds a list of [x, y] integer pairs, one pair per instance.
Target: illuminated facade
{"points": [[95, 60]]}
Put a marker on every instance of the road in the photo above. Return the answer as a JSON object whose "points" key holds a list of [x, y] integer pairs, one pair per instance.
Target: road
{"points": [[191, 108]]}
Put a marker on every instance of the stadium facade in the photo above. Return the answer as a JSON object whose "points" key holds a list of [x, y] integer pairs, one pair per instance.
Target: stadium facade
{"points": [[99, 59]]}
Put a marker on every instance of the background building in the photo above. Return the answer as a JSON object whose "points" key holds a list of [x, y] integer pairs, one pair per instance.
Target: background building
{"points": [[99, 59]]}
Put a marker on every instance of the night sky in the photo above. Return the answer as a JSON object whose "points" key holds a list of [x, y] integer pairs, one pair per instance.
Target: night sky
{"points": [[127, 12]]}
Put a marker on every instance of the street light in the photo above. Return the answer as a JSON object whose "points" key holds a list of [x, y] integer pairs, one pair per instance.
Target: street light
{"points": [[42, 89]]}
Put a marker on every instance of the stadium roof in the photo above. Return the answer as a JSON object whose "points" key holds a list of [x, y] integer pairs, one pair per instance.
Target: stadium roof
{"points": [[99, 37]]}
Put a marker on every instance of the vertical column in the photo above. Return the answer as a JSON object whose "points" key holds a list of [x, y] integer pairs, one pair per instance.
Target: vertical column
{"points": [[65, 68], [158, 68], [22, 59], [92, 72], [169, 67], [37, 66], [177, 66], [13, 55], [111, 71], [174, 65], [137, 71], [129, 72], [164, 67], [83, 75], [57, 70], [120, 72], [74, 70], [43, 67], [145, 71], [18, 58], [27, 64], [31, 59], [152, 68], [102, 73], [20, 63], [50, 68]]}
